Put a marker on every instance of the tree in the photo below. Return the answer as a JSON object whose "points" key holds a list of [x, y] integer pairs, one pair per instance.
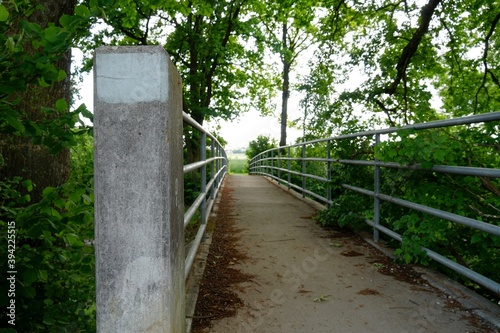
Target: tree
{"points": [[204, 40], [54, 271], [289, 32], [395, 59], [25, 99], [259, 145]]}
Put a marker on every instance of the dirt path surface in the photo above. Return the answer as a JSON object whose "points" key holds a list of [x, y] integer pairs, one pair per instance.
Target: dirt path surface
{"points": [[293, 276]]}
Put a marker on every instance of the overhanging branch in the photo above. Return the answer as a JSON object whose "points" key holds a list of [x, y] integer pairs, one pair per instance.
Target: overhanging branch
{"points": [[412, 46]]}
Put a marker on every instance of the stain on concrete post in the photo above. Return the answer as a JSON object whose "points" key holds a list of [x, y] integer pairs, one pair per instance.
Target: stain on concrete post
{"points": [[139, 192]]}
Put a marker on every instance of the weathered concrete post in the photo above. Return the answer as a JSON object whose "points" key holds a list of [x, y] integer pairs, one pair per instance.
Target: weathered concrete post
{"points": [[139, 196]]}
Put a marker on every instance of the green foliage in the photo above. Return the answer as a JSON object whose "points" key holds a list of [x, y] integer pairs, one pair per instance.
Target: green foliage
{"points": [[20, 66], [363, 63], [238, 166], [54, 257], [473, 197], [348, 208], [205, 40], [54, 261], [259, 145]]}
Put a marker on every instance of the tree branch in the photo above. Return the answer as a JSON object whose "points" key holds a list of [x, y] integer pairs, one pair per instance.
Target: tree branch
{"points": [[485, 61], [412, 46], [233, 17], [386, 110]]}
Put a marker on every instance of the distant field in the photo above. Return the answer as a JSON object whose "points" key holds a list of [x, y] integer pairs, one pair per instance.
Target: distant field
{"points": [[238, 163], [237, 156]]}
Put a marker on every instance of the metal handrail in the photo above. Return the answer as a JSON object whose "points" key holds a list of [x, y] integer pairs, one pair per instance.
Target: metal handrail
{"points": [[264, 164], [208, 190]]}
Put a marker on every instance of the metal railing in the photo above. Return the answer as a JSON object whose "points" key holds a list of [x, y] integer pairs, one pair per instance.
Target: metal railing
{"points": [[277, 164], [218, 166]]}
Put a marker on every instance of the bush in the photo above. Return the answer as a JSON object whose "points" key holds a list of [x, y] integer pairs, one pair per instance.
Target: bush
{"points": [[54, 258]]}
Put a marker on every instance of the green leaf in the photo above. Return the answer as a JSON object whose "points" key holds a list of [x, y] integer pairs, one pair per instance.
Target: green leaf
{"points": [[10, 44], [28, 185], [59, 203], [42, 274], [43, 83], [61, 105], [48, 321], [476, 238], [73, 240], [67, 20], [85, 112], [52, 33], [16, 123], [82, 11], [30, 276], [75, 195], [61, 75], [4, 14], [48, 190], [7, 330]]}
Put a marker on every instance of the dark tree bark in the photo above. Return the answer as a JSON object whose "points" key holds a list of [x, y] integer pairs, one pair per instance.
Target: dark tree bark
{"points": [[412, 46], [22, 157], [202, 69], [286, 86]]}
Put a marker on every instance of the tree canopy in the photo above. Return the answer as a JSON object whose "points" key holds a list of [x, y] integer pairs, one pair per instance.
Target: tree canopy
{"points": [[407, 61]]}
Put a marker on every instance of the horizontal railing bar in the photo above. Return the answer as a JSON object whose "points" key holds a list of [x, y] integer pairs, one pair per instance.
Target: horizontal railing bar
{"points": [[475, 224], [467, 272], [317, 196], [196, 165], [188, 215], [459, 170], [385, 230], [199, 200], [317, 159], [193, 123], [482, 280], [193, 250], [308, 175], [484, 117]]}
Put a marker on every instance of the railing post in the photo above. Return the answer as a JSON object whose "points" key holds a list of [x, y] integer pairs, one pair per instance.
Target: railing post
{"points": [[266, 163], [272, 163], [214, 168], [289, 168], [279, 165], [329, 173], [376, 201], [139, 193], [303, 170], [203, 182], [262, 165]]}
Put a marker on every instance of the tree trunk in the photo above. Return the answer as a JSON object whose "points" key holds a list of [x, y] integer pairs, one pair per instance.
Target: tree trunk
{"points": [[22, 157], [286, 86]]}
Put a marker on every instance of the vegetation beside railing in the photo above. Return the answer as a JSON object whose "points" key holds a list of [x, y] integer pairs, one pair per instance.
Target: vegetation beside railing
{"points": [[203, 179], [54, 258]]}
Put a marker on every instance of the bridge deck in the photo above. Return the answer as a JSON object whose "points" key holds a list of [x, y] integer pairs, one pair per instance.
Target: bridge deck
{"points": [[308, 279]]}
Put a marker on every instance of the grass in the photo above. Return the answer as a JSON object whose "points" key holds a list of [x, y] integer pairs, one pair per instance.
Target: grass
{"points": [[238, 166]]}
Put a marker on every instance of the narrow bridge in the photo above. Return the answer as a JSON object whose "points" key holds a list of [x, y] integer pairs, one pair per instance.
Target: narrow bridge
{"points": [[305, 278], [308, 279]]}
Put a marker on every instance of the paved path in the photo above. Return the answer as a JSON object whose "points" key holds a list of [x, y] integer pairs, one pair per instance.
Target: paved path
{"points": [[304, 284]]}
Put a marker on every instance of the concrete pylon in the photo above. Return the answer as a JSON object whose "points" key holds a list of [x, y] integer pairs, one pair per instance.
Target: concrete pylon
{"points": [[139, 191]]}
